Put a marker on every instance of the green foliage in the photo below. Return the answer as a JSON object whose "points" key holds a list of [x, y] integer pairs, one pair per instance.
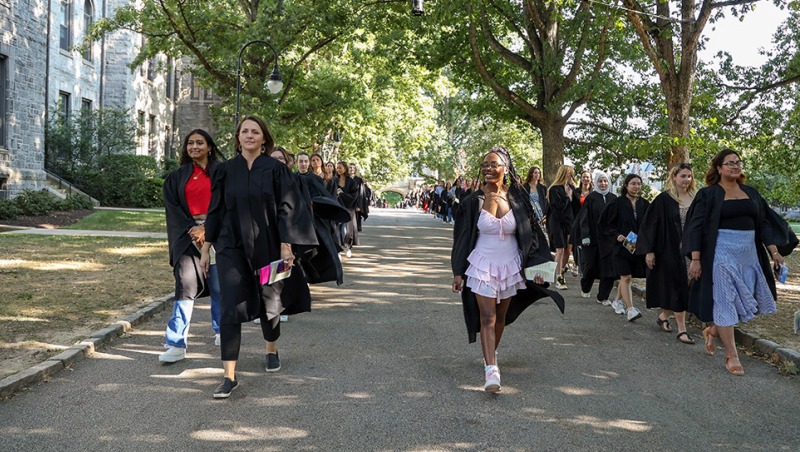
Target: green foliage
{"points": [[126, 180], [35, 203], [74, 202], [9, 209]]}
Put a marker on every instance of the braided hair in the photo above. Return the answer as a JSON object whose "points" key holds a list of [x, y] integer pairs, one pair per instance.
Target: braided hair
{"points": [[511, 179]]}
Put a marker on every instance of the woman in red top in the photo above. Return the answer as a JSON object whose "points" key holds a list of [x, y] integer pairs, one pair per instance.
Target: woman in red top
{"points": [[187, 195]]}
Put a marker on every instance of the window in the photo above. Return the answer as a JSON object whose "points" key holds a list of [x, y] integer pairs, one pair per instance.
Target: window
{"points": [[64, 106], [152, 143], [151, 69], [170, 74], [86, 106], [88, 20], [143, 68], [195, 95], [65, 34], [3, 68], [140, 131]]}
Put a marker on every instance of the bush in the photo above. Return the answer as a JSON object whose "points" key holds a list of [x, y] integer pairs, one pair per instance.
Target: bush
{"points": [[75, 202], [9, 209], [35, 203], [127, 180]]}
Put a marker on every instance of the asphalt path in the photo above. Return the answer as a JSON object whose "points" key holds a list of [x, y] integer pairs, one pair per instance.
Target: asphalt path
{"points": [[382, 363]]}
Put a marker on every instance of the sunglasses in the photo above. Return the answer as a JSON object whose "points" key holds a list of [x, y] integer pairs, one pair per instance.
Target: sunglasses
{"points": [[685, 166]]}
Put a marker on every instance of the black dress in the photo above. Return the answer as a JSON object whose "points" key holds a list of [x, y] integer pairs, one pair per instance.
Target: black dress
{"points": [[661, 232], [252, 212], [700, 234], [560, 216], [619, 218], [533, 250]]}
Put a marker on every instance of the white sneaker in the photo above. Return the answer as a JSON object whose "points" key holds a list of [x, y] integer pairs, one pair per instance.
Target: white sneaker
{"points": [[348, 253], [492, 384], [619, 306], [585, 294], [217, 340], [257, 321], [633, 314], [560, 283], [172, 355], [605, 302], [284, 318]]}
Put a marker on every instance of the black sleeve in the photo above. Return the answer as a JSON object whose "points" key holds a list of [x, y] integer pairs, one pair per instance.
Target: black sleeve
{"points": [[695, 220], [652, 230], [349, 195], [462, 232], [216, 209]]}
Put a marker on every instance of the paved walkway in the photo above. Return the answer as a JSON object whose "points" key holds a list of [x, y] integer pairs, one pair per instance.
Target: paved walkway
{"points": [[382, 363]]}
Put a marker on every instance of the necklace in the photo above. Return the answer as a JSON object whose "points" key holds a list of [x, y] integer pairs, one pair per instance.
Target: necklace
{"points": [[498, 195]]}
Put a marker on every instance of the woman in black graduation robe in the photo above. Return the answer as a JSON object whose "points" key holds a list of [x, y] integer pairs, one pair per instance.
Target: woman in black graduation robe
{"points": [[256, 216], [660, 242], [595, 247], [347, 193], [621, 217], [322, 263]]}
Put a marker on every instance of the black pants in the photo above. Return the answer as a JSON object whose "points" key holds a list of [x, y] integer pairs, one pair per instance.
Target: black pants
{"points": [[603, 291], [231, 336]]}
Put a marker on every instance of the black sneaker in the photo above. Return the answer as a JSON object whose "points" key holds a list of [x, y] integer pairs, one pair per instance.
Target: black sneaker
{"points": [[225, 388], [273, 362]]}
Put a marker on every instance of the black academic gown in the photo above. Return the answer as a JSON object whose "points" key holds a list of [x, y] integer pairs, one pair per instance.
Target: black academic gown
{"points": [[618, 219], [560, 215], [465, 236], [348, 198], [700, 234], [661, 233], [252, 212], [363, 200], [179, 221], [322, 264], [596, 255]]}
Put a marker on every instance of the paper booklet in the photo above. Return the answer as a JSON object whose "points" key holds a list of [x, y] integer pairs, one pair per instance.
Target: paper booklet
{"points": [[547, 269], [274, 272]]}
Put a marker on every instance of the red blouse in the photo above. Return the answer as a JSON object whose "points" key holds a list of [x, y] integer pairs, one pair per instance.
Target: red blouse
{"points": [[198, 192]]}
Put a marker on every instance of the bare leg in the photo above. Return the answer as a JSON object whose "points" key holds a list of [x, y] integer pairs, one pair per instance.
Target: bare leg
{"points": [[680, 320], [500, 321], [272, 346], [229, 369], [566, 255], [488, 313], [624, 290], [559, 260]]}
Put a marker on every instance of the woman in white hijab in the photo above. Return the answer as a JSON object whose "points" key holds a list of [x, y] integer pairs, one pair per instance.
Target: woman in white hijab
{"points": [[595, 247]]}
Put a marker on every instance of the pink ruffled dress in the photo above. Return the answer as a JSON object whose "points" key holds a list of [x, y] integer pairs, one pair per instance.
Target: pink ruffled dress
{"points": [[495, 263]]}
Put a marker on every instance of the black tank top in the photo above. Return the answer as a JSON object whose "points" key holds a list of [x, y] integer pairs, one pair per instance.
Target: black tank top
{"points": [[738, 214]]}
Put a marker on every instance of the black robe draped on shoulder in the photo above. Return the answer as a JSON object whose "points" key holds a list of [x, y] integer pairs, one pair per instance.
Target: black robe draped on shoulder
{"points": [[700, 234], [252, 212], [533, 249]]}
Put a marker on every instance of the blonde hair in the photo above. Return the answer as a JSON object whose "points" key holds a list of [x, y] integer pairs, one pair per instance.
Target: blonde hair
{"points": [[564, 175], [669, 184]]}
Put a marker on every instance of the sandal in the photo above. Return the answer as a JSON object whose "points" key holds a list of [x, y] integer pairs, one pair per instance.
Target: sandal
{"points": [[737, 370], [664, 325], [710, 343], [689, 340]]}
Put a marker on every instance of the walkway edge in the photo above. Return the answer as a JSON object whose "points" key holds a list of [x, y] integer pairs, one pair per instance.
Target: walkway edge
{"points": [[43, 371], [752, 341]]}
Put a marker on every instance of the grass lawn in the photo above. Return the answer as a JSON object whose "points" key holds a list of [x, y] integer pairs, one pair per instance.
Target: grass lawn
{"points": [[122, 220], [795, 227], [57, 290]]}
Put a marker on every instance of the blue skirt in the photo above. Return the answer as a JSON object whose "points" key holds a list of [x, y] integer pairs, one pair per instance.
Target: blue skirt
{"points": [[740, 288]]}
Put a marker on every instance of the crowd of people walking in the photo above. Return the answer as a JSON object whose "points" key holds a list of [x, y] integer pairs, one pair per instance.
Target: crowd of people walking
{"points": [[232, 223]]}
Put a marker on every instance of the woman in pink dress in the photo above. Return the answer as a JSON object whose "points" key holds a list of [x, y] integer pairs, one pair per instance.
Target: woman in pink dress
{"points": [[494, 239]]}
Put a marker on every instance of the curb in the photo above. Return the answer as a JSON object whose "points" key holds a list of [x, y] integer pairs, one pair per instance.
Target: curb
{"points": [[43, 371], [750, 340]]}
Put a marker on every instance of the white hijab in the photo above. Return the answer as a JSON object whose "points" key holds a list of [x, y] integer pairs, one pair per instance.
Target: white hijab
{"points": [[597, 176]]}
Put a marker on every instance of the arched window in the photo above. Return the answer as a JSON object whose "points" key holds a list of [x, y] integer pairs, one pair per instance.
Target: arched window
{"points": [[88, 20]]}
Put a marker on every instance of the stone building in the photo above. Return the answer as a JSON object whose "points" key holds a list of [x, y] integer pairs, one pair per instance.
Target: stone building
{"points": [[40, 70]]}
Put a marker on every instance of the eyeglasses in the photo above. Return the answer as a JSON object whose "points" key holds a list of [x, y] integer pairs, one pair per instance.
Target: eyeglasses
{"points": [[736, 164], [685, 166], [492, 165]]}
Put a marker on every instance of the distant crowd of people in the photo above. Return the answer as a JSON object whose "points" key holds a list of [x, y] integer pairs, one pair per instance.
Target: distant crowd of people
{"points": [[704, 251]]}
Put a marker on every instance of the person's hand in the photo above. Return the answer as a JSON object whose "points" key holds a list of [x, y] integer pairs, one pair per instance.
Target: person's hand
{"points": [[286, 254], [777, 259], [568, 189], [538, 279], [650, 259], [205, 260], [620, 238], [458, 283], [694, 269], [197, 231], [358, 209], [586, 242]]}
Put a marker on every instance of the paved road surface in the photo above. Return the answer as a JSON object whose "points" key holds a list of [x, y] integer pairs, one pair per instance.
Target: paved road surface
{"points": [[383, 363]]}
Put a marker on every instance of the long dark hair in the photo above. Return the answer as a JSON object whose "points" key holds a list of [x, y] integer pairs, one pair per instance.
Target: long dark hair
{"points": [[346, 169], [269, 142], [624, 190], [529, 177], [515, 190], [712, 175], [214, 153]]}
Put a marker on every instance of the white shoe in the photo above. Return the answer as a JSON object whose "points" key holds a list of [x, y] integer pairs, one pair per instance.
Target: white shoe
{"points": [[585, 294], [172, 355], [257, 321], [348, 253], [560, 283], [217, 340], [284, 318], [633, 314], [604, 302], [619, 306], [492, 384]]}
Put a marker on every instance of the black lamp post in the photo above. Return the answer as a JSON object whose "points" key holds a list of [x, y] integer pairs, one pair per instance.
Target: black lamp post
{"points": [[417, 7], [274, 84]]}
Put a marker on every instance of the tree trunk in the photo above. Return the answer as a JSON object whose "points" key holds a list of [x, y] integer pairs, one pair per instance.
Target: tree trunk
{"points": [[552, 147], [678, 121]]}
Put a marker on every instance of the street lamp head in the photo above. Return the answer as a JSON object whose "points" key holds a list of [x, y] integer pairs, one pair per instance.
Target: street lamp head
{"points": [[417, 8], [275, 84]]}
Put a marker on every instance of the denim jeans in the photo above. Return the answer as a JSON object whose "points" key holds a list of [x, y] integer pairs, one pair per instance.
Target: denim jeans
{"points": [[178, 325]]}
